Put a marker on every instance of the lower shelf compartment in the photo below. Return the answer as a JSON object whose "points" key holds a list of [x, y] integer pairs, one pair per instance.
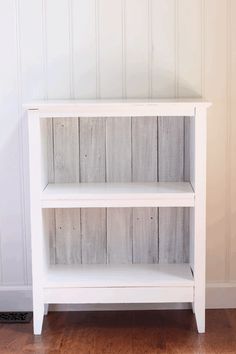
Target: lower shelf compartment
{"points": [[132, 283]]}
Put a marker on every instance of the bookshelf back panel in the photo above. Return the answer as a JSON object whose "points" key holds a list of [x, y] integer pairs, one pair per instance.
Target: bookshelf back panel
{"points": [[118, 149]]}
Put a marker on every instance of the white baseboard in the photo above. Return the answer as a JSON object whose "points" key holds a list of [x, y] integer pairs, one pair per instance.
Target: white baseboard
{"points": [[15, 298], [221, 295], [19, 298]]}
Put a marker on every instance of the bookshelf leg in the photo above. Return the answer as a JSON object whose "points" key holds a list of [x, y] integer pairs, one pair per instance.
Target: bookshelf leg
{"points": [[38, 319], [46, 309]]}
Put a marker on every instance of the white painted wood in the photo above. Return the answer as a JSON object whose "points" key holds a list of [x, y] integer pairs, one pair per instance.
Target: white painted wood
{"points": [[189, 32], [163, 60], [120, 275], [46, 306], [31, 87], [217, 42], [12, 234], [38, 260], [135, 295], [57, 44], [96, 194], [110, 48], [118, 108], [217, 45], [200, 219], [118, 246], [84, 48], [136, 48]]}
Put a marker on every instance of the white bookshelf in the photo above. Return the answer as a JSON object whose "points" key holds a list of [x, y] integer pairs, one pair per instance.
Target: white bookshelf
{"points": [[117, 283]]}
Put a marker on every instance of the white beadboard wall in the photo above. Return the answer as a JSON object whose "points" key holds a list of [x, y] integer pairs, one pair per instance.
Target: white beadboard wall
{"points": [[117, 48]]}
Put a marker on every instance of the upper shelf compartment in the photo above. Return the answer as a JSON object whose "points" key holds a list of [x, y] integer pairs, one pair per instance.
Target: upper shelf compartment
{"points": [[121, 108], [85, 195]]}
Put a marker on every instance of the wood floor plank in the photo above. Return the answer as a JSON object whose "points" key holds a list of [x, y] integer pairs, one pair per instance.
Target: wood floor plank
{"points": [[124, 332]]}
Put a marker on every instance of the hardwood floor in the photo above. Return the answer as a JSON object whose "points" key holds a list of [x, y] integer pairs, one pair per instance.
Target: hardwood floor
{"points": [[132, 332]]}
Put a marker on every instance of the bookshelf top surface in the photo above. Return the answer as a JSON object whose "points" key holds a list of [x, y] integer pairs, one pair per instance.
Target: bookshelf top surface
{"points": [[120, 106]]}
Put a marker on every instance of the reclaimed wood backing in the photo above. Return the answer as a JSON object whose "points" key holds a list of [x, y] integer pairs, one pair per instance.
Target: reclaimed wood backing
{"points": [[173, 238], [144, 168], [118, 169], [118, 150]]}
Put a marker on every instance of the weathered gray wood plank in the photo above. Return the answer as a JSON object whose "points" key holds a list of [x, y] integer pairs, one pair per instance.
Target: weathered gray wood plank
{"points": [[172, 228], [49, 234], [119, 235], [118, 149], [66, 169], [92, 149], [50, 150], [173, 246], [68, 239], [92, 169], [144, 169], [171, 148], [66, 150], [145, 235], [93, 227], [187, 149], [118, 169]]}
